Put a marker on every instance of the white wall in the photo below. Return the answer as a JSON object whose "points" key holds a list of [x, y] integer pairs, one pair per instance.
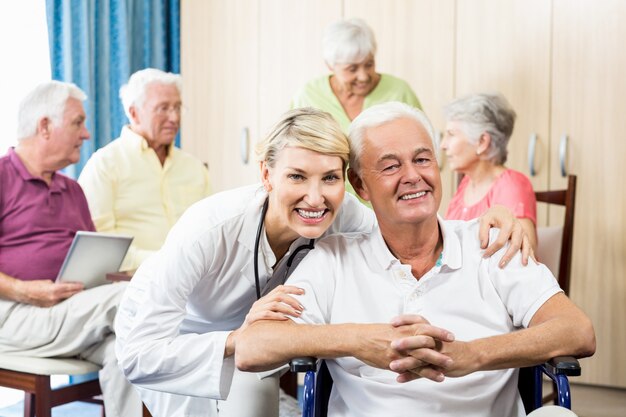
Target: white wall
{"points": [[24, 60]]}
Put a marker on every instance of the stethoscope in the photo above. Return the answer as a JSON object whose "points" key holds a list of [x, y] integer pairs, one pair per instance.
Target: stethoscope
{"points": [[257, 240]]}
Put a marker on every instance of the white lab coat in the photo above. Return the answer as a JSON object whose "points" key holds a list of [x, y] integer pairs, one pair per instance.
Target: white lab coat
{"points": [[183, 302]]}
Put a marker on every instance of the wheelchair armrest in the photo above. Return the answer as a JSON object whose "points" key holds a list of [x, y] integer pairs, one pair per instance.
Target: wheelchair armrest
{"points": [[563, 365], [304, 364]]}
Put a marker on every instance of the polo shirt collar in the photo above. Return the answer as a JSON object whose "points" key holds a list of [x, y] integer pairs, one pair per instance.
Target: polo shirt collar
{"points": [[137, 141], [56, 184], [451, 255]]}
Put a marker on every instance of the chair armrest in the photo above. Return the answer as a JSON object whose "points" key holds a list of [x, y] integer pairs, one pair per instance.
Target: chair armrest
{"points": [[564, 365], [304, 364]]}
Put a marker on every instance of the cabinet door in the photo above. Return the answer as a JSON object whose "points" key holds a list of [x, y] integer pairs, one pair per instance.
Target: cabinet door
{"points": [[219, 54], [504, 46], [588, 93], [290, 49], [416, 43]]}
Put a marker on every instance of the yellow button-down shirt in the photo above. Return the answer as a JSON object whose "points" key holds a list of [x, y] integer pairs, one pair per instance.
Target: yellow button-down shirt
{"points": [[129, 192]]}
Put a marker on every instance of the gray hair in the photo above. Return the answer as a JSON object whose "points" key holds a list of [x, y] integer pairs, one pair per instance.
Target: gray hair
{"points": [[348, 41], [48, 99], [133, 93], [306, 128], [485, 113], [378, 115]]}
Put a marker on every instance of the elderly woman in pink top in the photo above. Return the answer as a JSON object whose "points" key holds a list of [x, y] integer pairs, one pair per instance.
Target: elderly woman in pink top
{"points": [[478, 128]]}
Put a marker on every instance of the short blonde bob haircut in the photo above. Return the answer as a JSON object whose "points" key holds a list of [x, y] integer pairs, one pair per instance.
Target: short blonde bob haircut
{"points": [[306, 128]]}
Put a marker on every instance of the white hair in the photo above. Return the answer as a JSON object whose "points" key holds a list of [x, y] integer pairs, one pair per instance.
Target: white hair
{"points": [[348, 41], [133, 93], [48, 99], [378, 115], [485, 113]]}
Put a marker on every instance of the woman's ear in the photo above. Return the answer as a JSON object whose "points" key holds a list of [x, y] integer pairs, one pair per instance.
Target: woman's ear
{"points": [[265, 176], [483, 143]]}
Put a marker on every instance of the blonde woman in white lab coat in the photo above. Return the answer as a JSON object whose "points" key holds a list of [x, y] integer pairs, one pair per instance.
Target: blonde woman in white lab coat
{"points": [[178, 322]]}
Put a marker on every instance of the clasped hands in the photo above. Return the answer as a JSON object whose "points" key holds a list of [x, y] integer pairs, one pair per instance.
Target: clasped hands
{"points": [[414, 348]]}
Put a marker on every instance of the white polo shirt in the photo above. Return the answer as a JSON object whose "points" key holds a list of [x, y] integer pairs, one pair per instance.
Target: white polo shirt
{"points": [[356, 279]]}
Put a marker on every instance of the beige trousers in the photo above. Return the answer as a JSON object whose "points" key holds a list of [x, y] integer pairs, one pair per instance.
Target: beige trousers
{"points": [[80, 326]]}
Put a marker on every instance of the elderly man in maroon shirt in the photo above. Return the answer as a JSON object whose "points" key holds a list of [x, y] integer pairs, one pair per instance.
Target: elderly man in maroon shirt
{"points": [[40, 212]]}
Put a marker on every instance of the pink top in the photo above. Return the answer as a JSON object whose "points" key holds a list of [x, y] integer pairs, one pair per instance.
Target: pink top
{"points": [[37, 221], [511, 189]]}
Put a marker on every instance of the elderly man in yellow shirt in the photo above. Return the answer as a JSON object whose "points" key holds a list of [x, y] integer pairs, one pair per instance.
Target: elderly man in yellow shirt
{"points": [[140, 184]]}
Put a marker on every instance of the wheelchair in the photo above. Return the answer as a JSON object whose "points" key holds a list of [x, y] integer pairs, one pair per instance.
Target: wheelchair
{"points": [[530, 384]]}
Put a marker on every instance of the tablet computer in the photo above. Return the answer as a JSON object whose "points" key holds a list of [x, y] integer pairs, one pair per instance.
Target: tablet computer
{"points": [[92, 255]]}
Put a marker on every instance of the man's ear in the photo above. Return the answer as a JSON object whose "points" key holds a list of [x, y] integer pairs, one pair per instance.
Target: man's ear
{"points": [[265, 176], [134, 117], [358, 185], [44, 126]]}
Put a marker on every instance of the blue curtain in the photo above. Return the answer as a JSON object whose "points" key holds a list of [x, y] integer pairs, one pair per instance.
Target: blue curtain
{"points": [[98, 44]]}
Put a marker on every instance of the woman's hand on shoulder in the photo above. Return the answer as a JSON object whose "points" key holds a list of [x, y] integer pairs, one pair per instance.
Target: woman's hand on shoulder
{"points": [[511, 231]]}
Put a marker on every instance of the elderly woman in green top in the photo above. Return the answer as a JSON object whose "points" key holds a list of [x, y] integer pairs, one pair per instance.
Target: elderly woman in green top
{"points": [[353, 85]]}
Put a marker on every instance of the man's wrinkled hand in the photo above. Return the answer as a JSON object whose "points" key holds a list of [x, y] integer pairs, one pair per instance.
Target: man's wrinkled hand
{"points": [[45, 293], [421, 352]]}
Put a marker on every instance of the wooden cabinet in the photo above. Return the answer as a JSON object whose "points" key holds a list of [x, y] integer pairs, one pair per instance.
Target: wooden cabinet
{"points": [[241, 64], [559, 62], [588, 90], [290, 50], [219, 63], [504, 46]]}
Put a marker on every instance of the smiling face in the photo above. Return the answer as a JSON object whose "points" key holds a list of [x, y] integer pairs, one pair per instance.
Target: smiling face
{"points": [[158, 118], [65, 139], [399, 173], [306, 189], [460, 151], [358, 78]]}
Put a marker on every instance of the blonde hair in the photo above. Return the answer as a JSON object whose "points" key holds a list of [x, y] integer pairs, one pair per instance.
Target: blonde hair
{"points": [[306, 128]]}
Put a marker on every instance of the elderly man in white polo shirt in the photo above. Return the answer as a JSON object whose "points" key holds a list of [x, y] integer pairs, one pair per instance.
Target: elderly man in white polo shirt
{"points": [[416, 268]]}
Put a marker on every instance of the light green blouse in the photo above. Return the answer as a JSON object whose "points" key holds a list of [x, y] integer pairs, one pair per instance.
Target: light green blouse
{"points": [[318, 93]]}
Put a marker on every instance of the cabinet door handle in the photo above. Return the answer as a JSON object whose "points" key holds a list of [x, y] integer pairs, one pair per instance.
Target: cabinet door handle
{"points": [[244, 140], [532, 144], [563, 154]]}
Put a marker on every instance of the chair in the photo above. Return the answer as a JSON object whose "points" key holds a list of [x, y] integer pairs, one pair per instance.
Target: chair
{"points": [[317, 393], [554, 247], [554, 243], [32, 375]]}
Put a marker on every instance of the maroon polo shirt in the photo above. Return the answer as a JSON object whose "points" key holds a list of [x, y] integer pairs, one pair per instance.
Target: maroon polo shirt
{"points": [[37, 221]]}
